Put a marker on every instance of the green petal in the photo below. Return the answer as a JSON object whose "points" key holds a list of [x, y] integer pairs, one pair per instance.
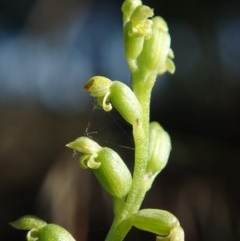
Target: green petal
{"points": [[28, 222]]}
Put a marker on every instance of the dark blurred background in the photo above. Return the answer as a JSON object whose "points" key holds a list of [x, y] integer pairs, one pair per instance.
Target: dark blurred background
{"points": [[49, 49]]}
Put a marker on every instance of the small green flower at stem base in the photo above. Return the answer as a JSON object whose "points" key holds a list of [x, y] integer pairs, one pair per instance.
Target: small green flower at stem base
{"points": [[39, 230]]}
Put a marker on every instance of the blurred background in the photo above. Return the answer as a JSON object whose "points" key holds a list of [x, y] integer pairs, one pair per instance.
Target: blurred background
{"points": [[50, 48]]}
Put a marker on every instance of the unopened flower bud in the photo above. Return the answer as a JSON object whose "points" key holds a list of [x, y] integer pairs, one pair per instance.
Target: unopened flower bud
{"points": [[159, 149], [113, 174], [156, 47]]}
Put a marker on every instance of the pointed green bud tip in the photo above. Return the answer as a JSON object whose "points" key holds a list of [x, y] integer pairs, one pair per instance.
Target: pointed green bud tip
{"points": [[28, 222], [98, 86], [84, 145]]}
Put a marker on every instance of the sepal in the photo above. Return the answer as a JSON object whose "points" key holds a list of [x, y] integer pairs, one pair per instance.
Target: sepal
{"points": [[28, 222], [84, 145]]}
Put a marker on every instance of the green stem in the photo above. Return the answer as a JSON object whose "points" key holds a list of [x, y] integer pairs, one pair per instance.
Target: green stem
{"points": [[121, 225]]}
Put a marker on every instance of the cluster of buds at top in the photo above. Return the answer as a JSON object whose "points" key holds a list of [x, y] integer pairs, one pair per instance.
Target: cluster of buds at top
{"points": [[108, 167], [146, 40]]}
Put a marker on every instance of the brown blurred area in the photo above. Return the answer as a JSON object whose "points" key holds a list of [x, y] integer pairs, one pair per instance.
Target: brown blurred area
{"points": [[198, 106], [31, 141]]}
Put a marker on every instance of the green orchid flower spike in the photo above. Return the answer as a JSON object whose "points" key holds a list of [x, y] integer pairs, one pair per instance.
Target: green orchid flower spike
{"points": [[147, 46], [148, 53]]}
